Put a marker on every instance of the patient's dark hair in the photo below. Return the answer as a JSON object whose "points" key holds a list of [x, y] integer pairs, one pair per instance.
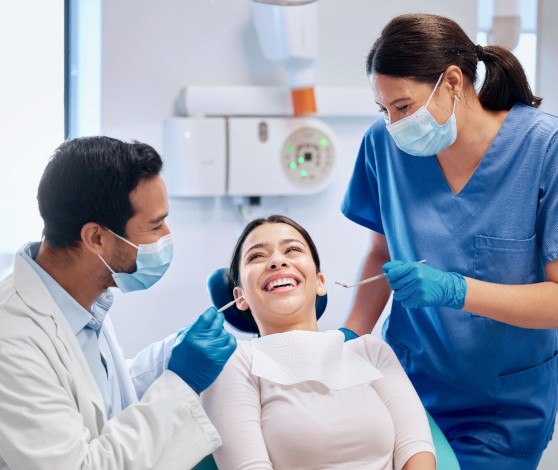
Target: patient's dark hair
{"points": [[89, 179], [234, 269]]}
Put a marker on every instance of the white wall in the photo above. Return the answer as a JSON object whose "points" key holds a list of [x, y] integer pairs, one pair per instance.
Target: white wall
{"points": [[31, 113], [150, 49], [548, 55]]}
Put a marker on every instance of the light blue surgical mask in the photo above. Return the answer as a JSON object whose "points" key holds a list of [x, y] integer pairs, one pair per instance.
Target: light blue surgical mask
{"points": [[152, 261], [420, 135]]}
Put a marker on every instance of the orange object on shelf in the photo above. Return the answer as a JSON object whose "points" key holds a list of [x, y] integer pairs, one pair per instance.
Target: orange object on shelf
{"points": [[304, 102]]}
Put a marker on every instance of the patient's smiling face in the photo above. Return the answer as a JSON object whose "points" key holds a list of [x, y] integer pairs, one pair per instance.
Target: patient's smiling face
{"points": [[279, 281]]}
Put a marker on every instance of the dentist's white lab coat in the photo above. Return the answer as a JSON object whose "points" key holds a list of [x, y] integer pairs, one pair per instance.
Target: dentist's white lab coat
{"points": [[52, 415]]}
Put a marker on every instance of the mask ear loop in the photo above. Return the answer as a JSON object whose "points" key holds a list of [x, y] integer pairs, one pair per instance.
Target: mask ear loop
{"points": [[455, 101], [123, 239], [434, 90], [106, 264]]}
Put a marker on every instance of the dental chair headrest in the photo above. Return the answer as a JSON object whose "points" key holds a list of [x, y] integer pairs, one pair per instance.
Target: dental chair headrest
{"points": [[220, 292]]}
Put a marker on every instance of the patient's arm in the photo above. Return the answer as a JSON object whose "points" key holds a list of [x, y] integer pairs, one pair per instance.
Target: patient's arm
{"points": [[413, 440], [233, 406], [420, 461]]}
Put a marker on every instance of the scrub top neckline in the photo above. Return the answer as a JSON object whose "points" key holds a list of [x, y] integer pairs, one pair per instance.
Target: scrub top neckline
{"points": [[479, 168], [456, 209], [443, 176]]}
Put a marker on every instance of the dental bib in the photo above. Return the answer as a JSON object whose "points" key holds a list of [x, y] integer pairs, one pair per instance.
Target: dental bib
{"points": [[300, 356]]}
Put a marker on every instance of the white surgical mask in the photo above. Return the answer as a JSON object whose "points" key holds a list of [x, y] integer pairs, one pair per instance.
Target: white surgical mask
{"points": [[420, 135], [152, 261]]}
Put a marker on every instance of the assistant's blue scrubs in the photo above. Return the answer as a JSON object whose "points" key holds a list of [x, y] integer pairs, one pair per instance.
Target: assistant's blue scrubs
{"points": [[491, 387]]}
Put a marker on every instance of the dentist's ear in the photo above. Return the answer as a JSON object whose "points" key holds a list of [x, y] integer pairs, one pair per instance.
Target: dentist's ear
{"points": [[240, 304], [321, 287], [94, 239]]}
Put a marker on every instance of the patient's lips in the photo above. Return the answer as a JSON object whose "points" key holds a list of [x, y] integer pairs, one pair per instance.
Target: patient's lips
{"points": [[281, 282]]}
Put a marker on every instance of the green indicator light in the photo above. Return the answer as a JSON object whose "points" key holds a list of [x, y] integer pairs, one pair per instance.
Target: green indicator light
{"points": [[293, 165], [324, 142], [289, 148], [301, 160], [303, 173]]}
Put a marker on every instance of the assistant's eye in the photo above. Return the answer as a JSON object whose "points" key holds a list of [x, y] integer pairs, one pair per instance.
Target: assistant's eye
{"points": [[381, 109], [402, 108]]}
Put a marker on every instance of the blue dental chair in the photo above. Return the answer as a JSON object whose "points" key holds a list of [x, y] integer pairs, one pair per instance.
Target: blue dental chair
{"points": [[220, 293]]}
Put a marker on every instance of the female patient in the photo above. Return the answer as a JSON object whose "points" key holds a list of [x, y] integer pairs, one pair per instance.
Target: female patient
{"points": [[298, 398]]}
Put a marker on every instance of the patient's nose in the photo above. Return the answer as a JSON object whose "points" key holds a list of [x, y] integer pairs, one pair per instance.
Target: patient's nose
{"points": [[278, 260]]}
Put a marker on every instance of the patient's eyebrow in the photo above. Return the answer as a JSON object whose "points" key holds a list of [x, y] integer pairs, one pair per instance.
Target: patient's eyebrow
{"points": [[255, 247], [285, 241]]}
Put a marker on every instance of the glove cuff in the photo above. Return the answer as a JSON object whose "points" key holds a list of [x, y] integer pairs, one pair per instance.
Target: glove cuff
{"points": [[349, 334], [457, 291]]}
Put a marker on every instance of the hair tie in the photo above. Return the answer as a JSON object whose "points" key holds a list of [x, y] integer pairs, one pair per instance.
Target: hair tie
{"points": [[480, 52]]}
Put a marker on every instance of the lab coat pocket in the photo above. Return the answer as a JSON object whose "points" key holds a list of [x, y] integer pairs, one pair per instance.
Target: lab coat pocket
{"points": [[526, 404], [506, 260]]}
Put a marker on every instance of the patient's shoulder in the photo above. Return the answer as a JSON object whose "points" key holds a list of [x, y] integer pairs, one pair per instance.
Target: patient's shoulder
{"points": [[373, 348], [241, 359], [366, 342]]}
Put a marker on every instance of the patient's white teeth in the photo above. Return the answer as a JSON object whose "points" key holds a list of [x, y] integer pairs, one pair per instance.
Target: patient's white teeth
{"points": [[280, 282]]}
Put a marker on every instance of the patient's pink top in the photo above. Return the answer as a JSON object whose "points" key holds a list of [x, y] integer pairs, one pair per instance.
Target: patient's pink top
{"points": [[308, 400]]}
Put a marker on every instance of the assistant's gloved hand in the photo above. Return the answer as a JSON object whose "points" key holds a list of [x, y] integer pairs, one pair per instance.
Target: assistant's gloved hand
{"points": [[419, 285], [200, 353]]}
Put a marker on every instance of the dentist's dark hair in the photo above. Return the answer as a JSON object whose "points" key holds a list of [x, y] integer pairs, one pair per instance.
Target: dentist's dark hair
{"points": [[234, 269], [89, 179], [422, 46]]}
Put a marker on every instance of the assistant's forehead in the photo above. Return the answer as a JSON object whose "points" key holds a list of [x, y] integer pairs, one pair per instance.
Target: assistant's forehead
{"points": [[271, 234], [387, 88]]}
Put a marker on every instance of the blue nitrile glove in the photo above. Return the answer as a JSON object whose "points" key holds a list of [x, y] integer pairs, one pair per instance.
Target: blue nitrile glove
{"points": [[419, 285], [200, 353]]}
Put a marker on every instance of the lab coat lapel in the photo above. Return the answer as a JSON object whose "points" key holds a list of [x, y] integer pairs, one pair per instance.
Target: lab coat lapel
{"points": [[127, 389], [45, 311]]}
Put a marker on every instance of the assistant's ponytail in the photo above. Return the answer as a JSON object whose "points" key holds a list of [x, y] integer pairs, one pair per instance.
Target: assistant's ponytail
{"points": [[421, 46], [505, 82]]}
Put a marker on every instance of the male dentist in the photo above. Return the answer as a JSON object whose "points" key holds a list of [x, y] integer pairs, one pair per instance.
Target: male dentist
{"points": [[68, 398]]}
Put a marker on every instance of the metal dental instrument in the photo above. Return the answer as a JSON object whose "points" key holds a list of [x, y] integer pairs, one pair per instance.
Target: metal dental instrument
{"points": [[230, 304], [370, 279]]}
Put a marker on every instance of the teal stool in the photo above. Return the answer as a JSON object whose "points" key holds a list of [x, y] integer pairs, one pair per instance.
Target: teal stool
{"points": [[206, 464], [445, 456]]}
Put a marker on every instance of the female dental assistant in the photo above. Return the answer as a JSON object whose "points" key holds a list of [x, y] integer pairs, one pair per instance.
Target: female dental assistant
{"points": [[467, 182]]}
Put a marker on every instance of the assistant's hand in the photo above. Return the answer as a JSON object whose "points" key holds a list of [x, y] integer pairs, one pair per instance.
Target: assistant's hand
{"points": [[201, 352], [419, 285]]}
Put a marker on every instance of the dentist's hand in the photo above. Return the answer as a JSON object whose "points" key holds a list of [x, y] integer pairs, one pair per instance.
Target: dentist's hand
{"points": [[419, 285], [200, 353]]}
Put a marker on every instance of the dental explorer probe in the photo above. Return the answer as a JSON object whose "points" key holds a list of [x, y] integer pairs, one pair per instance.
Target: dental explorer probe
{"points": [[364, 281], [230, 304]]}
